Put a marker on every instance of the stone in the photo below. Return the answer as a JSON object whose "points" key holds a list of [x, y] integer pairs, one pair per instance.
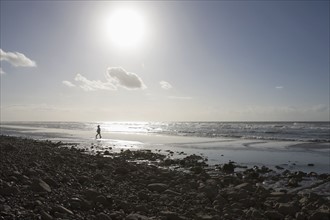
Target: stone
{"points": [[320, 215], [219, 200], [171, 192], [75, 203], [102, 200], [106, 152], [91, 194], [85, 205], [253, 213], [293, 182], [170, 215], [158, 187], [103, 216], [287, 209], [38, 185], [45, 215], [300, 216], [63, 210], [83, 179], [228, 168], [136, 217], [51, 182], [245, 186], [121, 171], [274, 215], [98, 177], [9, 190]]}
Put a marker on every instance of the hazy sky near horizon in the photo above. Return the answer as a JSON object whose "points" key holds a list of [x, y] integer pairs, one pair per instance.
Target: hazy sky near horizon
{"points": [[165, 61]]}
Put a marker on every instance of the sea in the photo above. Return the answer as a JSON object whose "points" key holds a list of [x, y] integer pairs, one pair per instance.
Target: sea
{"points": [[291, 145]]}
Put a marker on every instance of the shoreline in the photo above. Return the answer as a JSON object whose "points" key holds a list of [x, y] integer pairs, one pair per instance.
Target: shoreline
{"points": [[292, 155], [42, 179]]}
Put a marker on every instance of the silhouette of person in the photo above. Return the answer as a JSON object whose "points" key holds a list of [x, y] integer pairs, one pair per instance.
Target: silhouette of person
{"points": [[98, 132]]}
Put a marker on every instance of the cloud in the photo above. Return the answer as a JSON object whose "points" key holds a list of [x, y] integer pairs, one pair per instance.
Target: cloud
{"points": [[165, 85], [1, 71], [16, 59], [120, 77], [68, 83], [93, 85], [114, 77], [279, 87]]}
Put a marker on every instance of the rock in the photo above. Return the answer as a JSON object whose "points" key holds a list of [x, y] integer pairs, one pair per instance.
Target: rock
{"points": [[158, 187], [98, 177], [45, 215], [219, 200], [245, 186], [103, 216], [5, 208], [274, 215], [75, 203], [253, 213], [279, 197], [143, 195], [310, 164], [204, 217], [210, 191], [300, 216], [106, 152], [117, 215], [91, 194], [9, 190], [85, 205], [82, 179], [279, 168], [102, 200], [62, 209], [228, 168], [51, 182], [136, 217], [287, 209], [121, 171], [293, 182], [170, 215], [38, 185], [320, 215], [171, 192]]}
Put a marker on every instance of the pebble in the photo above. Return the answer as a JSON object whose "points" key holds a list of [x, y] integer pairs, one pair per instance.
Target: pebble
{"points": [[44, 181], [103, 216], [38, 185], [158, 187]]}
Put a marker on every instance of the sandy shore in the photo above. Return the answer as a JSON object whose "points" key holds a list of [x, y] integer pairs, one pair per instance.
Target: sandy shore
{"points": [[46, 180]]}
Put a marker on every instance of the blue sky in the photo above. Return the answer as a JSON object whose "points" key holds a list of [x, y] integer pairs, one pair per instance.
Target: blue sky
{"points": [[194, 61]]}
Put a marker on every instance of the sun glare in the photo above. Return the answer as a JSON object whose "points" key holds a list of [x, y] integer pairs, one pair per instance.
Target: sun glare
{"points": [[126, 28]]}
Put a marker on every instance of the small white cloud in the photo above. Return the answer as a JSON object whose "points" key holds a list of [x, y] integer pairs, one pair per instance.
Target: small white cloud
{"points": [[165, 85], [120, 77], [1, 71], [279, 87], [16, 59], [68, 83], [93, 85], [114, 77]]}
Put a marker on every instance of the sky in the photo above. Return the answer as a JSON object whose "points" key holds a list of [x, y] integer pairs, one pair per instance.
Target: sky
{"points": [[164, 61]]}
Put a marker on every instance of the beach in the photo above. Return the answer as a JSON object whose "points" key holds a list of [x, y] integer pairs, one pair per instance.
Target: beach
{"points": [[58, 180], [293, 146]]}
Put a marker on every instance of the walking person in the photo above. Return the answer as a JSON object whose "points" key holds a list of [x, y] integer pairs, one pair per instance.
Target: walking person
{"points": [[98, 132]]}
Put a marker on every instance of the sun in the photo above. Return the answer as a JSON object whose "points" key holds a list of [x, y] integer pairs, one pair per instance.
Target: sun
{"points": [[126, 28]]}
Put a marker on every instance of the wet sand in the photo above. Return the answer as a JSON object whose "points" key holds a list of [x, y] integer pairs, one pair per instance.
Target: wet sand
{"points": [[47, 180]]}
